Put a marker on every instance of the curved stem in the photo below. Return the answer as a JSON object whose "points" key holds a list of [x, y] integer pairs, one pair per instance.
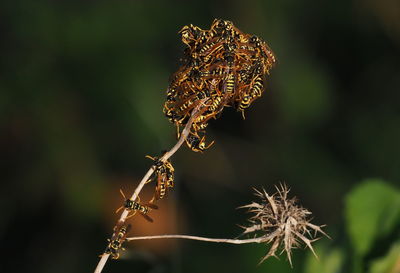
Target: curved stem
{"points": [[198, 238], [185, 132]]}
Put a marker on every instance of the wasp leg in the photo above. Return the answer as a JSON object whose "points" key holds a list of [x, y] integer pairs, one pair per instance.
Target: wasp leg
{"points": [[209, 145], [130, 216], [178, 133], [150, 157], [121, 207]]}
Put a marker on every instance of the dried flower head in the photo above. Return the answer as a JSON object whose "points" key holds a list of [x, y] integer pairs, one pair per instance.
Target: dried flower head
{"points": [[281, 221]]}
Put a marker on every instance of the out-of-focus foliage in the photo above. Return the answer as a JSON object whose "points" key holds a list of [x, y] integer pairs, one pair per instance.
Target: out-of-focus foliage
{"points": [[388, 263], [373, 222], [329, 260], [372, 211]]}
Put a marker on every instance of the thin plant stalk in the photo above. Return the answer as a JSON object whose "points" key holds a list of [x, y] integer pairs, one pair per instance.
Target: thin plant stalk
{"points": [[198, 238], [185, 132]]}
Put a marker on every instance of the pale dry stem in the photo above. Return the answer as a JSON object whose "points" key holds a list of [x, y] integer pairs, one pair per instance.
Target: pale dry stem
{"points": [[199, 238]]}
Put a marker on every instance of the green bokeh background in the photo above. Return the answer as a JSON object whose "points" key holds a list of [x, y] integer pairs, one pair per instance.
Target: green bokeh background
{"points": [[82, 84]]}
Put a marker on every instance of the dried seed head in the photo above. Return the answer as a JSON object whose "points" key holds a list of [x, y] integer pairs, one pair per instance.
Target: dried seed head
{"points": [[280, 221]]}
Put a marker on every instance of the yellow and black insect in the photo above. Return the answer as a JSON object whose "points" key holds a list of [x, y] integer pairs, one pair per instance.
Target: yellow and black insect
{"points": [[243, 104], [196, 143], [214, 49], [164, 175], [255, 91], [257, 87], [115, 244], [191, 35], [215, 104], [135, 206], [221, 28], [201, 122], [230, 84]]}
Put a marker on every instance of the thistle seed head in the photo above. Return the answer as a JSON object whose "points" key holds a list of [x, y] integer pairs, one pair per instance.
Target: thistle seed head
{"points": [[281, 222]]}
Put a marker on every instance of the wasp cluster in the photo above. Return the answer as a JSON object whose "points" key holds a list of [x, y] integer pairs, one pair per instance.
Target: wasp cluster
{"points": [[221, 67]]}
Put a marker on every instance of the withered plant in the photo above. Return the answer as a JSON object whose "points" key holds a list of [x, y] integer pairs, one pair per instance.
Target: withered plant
{"points": [[277, 220], [220, 67]]}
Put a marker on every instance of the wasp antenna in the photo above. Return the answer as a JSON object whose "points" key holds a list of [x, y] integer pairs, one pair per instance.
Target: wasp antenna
{"points": [[122, 193], [148, 181], [130, 216], [211, 144], [121, 207]]}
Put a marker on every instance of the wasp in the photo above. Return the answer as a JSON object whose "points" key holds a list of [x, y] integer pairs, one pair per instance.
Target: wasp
{"points": [[191, 34], [164, 172], [230, 84], [186, 106], [216, 104], [205, 93], [135, 206], [115, 244], [265, 51], [210, 47], [172, 115], [201, 122], [210, 50], [255, 91], [257, 87], [244, 76], [244, 103], [222, 28], [196, 143], [214, 72]]}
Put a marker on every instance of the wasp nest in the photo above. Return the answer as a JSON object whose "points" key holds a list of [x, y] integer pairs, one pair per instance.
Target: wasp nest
{"points": [[221, 67], [280, 221]]}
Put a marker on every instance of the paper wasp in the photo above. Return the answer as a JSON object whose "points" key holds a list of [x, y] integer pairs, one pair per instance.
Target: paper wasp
{"points": [[135, 206], [230, 84], [222, 28], [115, 244], [191, 34], [196, 143], [255, 90], [164, 172]]}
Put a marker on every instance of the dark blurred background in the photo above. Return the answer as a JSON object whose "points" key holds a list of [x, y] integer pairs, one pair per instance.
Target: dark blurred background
{"points": [[82, 84]]}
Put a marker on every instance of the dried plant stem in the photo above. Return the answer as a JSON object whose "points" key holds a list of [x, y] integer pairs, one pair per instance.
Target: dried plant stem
{"points": [[198, 238], [185, 132]]}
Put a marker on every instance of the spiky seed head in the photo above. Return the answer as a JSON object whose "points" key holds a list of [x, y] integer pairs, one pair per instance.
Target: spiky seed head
{"points": [[281, 222]]}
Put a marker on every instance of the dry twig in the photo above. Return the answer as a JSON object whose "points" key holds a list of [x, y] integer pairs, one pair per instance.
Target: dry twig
{"points": [[276, 219]]}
